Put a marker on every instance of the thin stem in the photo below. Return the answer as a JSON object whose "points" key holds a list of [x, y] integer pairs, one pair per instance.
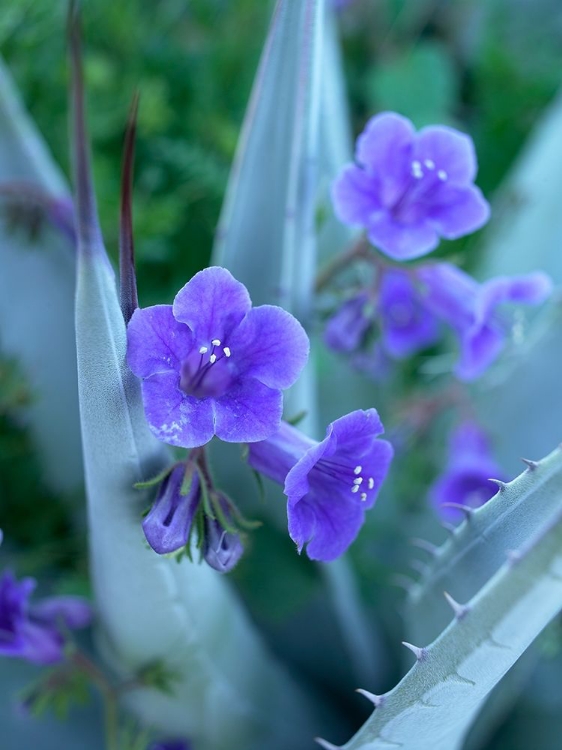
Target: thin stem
{"points": [[359, 249], [109, 695]]}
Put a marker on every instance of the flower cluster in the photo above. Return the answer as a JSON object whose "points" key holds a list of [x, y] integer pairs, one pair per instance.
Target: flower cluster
{"points": [[211, 364], [466, 479], [408, 306], [407, 189], [34, 632], [329, 485], [178, 512]]}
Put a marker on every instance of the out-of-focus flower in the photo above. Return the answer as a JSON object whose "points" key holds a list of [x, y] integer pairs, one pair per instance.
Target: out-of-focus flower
{"points": [[329, 485], [406, 325], [409, 189], [470, 309], [212, 365], [466, 479], [222, 548], [167, 525], [171, 745], [346, 328], [33, 631]]}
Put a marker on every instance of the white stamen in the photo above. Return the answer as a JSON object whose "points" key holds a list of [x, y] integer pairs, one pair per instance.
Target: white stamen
{"points": [[213, 359], [355, 488], [226, 351], [417, 171], [371, 483], [429, 163], [363, 496], [203, 350], [442, 175], [216, 342], [358, 480], [358, 470]]}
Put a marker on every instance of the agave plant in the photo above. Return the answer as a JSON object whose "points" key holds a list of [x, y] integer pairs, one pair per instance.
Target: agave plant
{"points": [[321, 284]]}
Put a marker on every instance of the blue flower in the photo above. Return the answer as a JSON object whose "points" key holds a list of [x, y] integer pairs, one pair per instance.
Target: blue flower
{"points": [[329, 485], [33, 632], [212, 365], [408, 189], [466, 479]]}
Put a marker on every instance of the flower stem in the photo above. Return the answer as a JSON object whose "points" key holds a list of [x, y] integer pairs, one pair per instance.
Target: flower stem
{"points": [[108, 694], [359, 249]]}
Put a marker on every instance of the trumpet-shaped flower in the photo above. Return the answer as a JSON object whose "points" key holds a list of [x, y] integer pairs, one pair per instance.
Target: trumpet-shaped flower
{"points": [[470, 309], [212, 365], [409, 189], [329, 485], [466, 479], [33, 631]]}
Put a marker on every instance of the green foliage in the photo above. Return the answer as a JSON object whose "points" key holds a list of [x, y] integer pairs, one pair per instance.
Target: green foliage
{"points": [[58, 690]]}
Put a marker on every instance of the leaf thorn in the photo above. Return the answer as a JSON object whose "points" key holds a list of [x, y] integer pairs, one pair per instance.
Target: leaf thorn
{"points": [[460, 610], [425, 545], [326, 745], [532, 465], [419, 653], [501, 485], [376, 700]]}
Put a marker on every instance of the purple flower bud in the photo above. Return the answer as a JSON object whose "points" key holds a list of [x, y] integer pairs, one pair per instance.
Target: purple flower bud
{"points": [[221, 548], [346, 328], [329, 485], [212, 365], [32, 632], [408, 189], [466, 479], [167, 525]]}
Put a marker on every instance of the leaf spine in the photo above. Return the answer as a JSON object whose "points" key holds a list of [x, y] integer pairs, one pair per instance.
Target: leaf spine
{"points": [[376, 700], [419, 653], [460, 610]]}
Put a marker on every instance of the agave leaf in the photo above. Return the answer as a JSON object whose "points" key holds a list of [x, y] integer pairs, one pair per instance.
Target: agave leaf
{"points": [[37, 289], [435, 703], [150, 608]]}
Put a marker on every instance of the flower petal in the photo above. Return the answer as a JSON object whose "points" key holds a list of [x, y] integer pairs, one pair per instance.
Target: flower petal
{"points": [[73, 611], [479, 348], [530, 289], [355, 195], [327, 529], [456, 211], [249, 412], [156, 342], [401, 241], [173, 416], [385, 149], [449, 293], [271, 346], [212, 304], [449, 150]]}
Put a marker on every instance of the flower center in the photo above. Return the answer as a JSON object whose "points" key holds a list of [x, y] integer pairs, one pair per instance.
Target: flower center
{"points": [[426, 177], [206, 373], [354, 478]]}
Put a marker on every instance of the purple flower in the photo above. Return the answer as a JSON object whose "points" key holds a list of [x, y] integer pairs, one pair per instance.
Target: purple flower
{"points": [[32, 632], [408, 189], [470, 309], [466, 480], [167, 525], [345, 330], [221, 548], [406, 325], [212, 365], [171, 745], [329, 485]]}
